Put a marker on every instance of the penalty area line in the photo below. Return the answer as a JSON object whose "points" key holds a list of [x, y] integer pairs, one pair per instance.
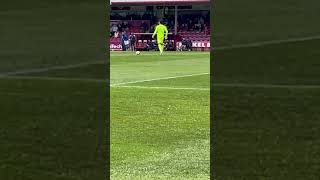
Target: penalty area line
{"points": [[156, 79], [232, 85], [164, 88]]}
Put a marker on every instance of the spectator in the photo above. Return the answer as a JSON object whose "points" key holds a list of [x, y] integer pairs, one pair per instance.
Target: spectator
{"points": [[111, 32], [205, 29], [133, 42], [189, 45], [168, 45], [183, 44], [190, 25], [124, 25], [116, 34], [124, 41], [186, 45], [153, 27], [201, 20], [144, 26], [145, 16], [114, 28]]}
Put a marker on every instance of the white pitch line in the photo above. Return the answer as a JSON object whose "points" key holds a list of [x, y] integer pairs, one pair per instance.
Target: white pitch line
{"points": [[164, 87], [241, 85], [56, 78], [263, 43], [156, 79], [256, 44], [248, 85], [229, 85], [37, 70]]}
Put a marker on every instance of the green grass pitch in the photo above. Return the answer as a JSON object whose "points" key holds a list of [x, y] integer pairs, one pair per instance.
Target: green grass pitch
{"points": [[266, 132], [160, 116], [51, 128], [266, 98], [266, 112]]}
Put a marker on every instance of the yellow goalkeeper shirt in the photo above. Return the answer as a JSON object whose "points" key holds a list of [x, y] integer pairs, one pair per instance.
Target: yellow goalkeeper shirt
{"points": [[161, 31]]}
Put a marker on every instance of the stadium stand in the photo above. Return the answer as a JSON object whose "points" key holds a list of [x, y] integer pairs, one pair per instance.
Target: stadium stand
{"points": [[194, 27]]}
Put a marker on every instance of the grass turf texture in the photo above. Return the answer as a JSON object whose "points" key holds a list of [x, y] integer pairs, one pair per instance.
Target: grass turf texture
{"points": [[153, 137], [269, 132], [266, 133], [159, 133], [173, 146], [243, 152], [52, 129], [256, 134], [39, 33], [246, 21]]}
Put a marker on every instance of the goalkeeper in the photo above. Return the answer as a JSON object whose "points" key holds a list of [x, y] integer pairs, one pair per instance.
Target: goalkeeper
{"points": [[162, 33]]}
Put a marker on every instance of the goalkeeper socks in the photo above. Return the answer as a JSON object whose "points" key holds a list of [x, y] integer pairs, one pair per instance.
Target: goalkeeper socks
{"points": [[161, 48]]}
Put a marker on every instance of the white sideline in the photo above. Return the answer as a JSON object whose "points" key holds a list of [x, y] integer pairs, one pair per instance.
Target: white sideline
{"points": [[263, 43], [285, 86], [244, 85], [38, 70], [57, 78], [156, 79], [257, 44], [241, 85], [267, 86], [166, 88]]}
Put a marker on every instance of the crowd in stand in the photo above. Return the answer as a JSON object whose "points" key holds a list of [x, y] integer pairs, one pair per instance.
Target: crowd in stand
{"points": [[123, 30], [134, 16], [186, 22], [193, 22], [116, 29]]}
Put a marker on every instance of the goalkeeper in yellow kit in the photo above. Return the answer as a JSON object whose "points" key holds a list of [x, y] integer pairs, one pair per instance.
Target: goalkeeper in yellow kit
{"points": [[162, 33]]}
